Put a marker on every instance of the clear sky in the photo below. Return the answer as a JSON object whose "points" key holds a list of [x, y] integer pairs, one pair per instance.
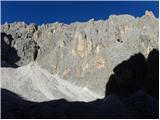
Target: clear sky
{"points": [[67, 12]]}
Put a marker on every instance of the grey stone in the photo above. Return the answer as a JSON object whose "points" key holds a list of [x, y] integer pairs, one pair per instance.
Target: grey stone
{"points": [[84, 53], [18, 36]]}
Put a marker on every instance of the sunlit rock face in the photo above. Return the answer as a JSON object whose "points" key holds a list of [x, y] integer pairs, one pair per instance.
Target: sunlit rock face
{"points": [[84, 53]]}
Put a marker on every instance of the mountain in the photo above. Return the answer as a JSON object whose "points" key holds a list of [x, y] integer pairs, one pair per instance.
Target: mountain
{"points": [[83, 62]]}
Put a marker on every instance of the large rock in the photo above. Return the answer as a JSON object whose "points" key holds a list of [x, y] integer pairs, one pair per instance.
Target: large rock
{"points": [[84, 53]]}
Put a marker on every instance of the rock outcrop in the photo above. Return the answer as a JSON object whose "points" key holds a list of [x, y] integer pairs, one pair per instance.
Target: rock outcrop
{"points": [[81, 53], [20, 43]]}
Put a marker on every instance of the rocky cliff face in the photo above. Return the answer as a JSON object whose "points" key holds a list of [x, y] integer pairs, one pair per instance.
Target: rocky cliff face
{"points": [[82, 53]]}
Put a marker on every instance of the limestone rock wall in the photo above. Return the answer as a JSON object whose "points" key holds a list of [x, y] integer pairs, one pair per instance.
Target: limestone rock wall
{"points": [[22, 47], [84, 53]]}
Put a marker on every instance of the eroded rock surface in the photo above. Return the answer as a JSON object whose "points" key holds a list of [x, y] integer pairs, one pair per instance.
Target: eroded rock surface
{"points": [[21, 46], [83, 53]]}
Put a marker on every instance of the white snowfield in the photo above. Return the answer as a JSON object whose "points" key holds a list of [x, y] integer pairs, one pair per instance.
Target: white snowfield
{"points": [[36, 84]]}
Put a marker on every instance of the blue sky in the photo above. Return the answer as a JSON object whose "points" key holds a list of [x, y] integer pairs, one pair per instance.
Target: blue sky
{"points": [[67, 12]]}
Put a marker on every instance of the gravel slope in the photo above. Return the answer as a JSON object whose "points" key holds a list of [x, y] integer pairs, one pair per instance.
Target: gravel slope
{"points": [[37, 84]]}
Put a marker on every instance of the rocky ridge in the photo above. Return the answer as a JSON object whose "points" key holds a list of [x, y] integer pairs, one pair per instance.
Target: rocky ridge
{"points": [[81, 53]]}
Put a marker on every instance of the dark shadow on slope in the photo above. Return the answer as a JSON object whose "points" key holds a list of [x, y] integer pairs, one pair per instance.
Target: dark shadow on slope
{"points": [[152, 76], [136, 73], [132, 92], [128, 76], [14, 106], [8, 54]]}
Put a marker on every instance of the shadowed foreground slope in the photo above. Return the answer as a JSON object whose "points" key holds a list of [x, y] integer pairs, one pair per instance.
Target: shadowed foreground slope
{"points": [[132, 92]]}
